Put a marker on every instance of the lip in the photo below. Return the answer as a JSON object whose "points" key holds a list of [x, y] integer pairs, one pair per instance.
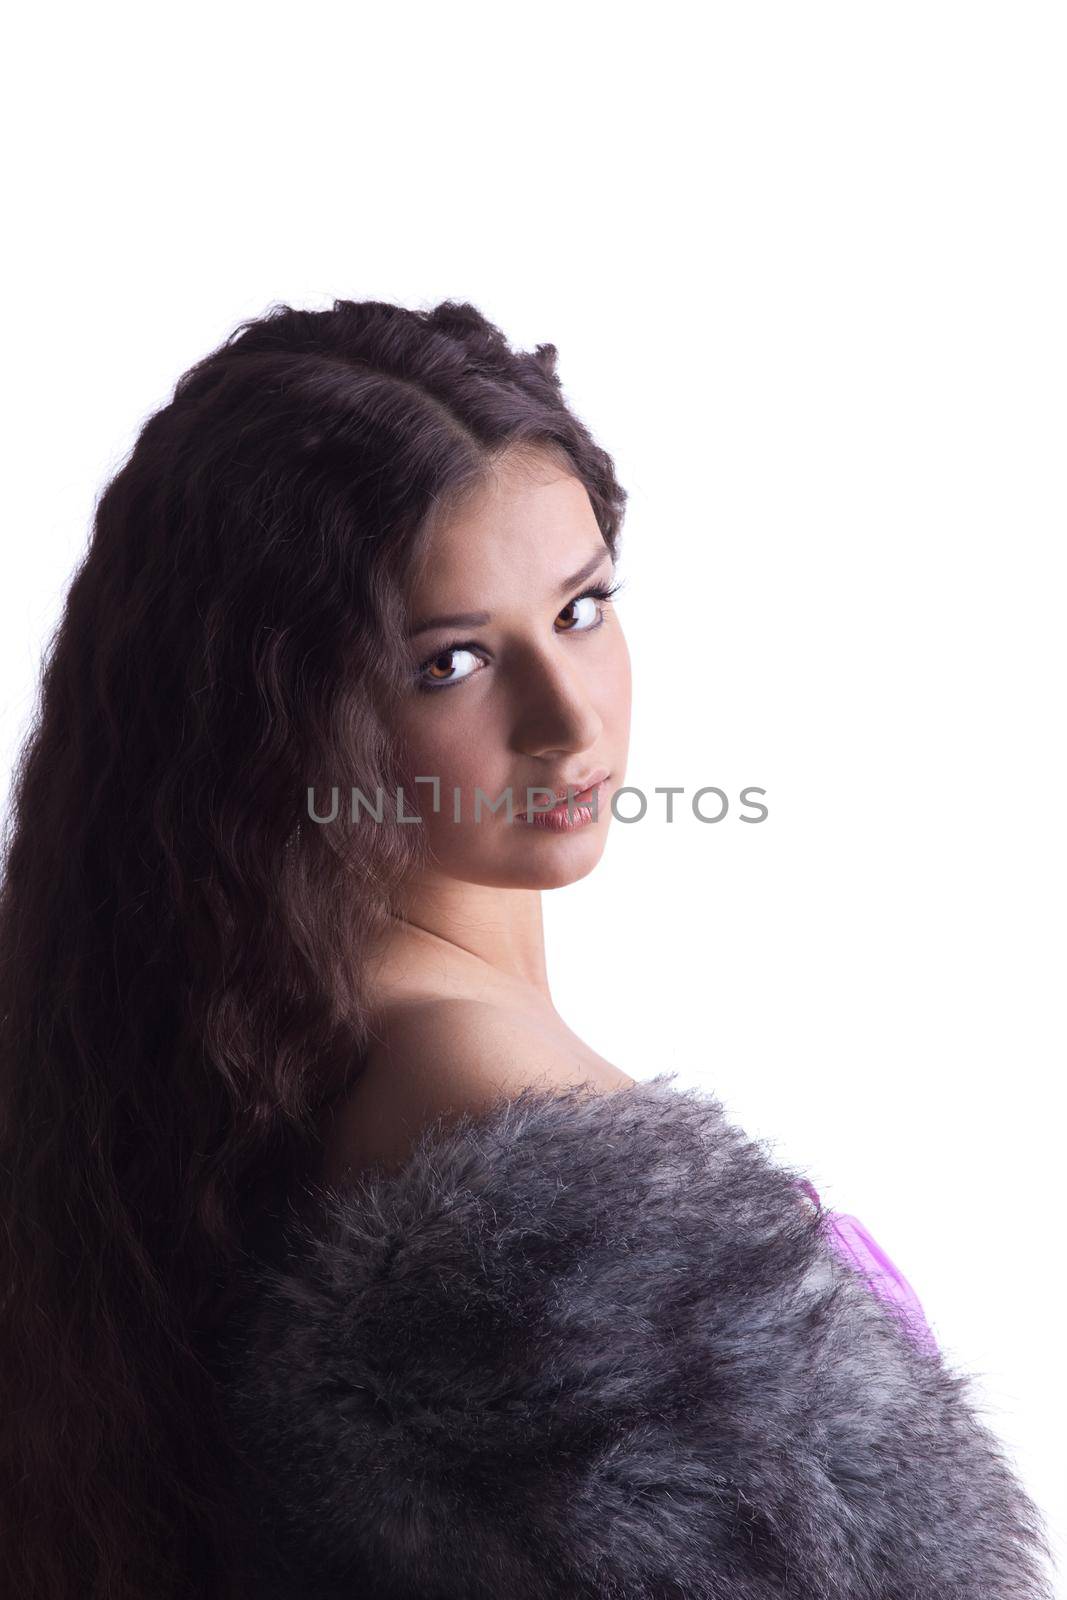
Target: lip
{"points": [[580, 790]]}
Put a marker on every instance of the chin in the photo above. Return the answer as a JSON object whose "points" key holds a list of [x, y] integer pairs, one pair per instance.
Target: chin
{"points": [[556, 870], [553, 868]]}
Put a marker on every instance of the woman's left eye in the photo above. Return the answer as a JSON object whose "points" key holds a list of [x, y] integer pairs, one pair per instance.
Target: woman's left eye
{"points": [[600, 592], [593, 614]]}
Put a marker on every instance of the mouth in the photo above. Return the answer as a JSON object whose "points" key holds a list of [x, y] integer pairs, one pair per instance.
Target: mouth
{"points": [[581, 793]]}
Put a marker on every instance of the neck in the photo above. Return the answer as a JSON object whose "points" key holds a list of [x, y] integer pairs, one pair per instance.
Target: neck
{"points": [[500, 929]]}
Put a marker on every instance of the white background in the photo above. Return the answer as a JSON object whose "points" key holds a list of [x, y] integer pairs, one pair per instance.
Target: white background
{"points": [[805, 266]]}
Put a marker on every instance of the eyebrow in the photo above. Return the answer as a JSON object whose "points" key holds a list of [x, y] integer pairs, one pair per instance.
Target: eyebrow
{"points": [[478, 619]]}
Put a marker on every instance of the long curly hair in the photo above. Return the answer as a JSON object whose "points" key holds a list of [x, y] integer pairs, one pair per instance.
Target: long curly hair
{"points": [[181, 964]]}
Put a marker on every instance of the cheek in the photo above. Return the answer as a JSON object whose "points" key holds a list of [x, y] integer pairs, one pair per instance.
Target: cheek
{"points": [[440, 746], [458, 751], [621, 679]]}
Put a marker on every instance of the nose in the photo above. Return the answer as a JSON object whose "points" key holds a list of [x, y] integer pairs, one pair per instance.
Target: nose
{"points": [[556, 713]]}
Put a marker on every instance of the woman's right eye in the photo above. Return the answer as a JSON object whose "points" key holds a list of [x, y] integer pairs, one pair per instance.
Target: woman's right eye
{"points": [[425, 678]]}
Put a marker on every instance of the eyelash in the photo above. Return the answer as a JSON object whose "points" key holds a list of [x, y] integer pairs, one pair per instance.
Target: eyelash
{"points": [[601, 591]]}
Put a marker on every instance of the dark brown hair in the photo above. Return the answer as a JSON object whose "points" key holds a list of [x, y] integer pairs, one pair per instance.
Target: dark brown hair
{"points": [[180, 987]]}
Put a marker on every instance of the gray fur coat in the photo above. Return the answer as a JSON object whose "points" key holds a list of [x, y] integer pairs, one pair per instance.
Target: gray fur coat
{"points": [[592, 1347]]}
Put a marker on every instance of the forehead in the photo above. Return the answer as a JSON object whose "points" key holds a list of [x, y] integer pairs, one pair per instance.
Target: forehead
{"points": [[519, 533]]}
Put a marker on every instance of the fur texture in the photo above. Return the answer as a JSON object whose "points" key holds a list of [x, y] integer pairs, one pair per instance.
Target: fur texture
{"points": [[593, 1346]]}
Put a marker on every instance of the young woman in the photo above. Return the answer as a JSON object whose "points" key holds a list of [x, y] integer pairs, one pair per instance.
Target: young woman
{"points": [[335, 1263]]}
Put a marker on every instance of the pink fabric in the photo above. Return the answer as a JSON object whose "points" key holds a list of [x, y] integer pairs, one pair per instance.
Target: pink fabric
{"points": [[858, 1249]]}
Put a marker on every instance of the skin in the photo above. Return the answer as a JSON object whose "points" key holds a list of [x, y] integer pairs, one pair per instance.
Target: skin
{"points": [[538, 695]]}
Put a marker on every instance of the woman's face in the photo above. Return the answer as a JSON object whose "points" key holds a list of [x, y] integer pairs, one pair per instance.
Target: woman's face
{"points": [[535, 692]]}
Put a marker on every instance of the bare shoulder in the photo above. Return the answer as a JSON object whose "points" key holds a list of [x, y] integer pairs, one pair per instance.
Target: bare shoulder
{"points": [[439, 1058]]}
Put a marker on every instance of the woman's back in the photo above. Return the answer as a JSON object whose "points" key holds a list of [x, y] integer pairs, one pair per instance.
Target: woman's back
{"points": [[448, 1041]]}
